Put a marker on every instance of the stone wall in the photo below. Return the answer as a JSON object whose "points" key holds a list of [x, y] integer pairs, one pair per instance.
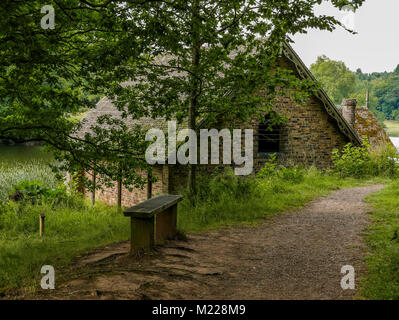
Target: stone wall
{"points": [[131, 198]]}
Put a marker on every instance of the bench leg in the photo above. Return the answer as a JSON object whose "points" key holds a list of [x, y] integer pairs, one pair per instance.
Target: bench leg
{"points": [[142, 234], [166, 222]]}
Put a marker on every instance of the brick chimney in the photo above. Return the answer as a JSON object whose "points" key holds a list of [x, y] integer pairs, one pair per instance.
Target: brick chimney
{"points": [[349, 111]]}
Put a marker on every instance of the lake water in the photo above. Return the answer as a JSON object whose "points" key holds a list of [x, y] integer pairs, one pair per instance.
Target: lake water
{"points": [[20, 153]]}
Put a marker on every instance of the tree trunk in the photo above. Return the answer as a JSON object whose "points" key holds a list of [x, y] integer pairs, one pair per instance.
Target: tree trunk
{"points": [[195, 86], [120, 191], [93, 193]]}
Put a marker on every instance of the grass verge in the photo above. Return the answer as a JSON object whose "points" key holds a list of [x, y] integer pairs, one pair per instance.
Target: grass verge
{"points": [[70, 231], [382, 279]]}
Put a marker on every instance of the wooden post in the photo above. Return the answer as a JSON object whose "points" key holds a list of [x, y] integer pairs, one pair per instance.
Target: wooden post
{"points": [[42, 217], [149, 186]]}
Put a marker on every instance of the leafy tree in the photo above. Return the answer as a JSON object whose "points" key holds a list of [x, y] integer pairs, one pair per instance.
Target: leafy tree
{"points": [[338, 81], [186, 59]]}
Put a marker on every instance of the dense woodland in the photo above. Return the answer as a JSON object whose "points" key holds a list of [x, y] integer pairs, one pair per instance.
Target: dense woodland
{"points": [[341, 83]]}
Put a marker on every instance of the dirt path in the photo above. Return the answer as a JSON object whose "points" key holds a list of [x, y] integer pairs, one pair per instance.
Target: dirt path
{"points": [[296, 255]]}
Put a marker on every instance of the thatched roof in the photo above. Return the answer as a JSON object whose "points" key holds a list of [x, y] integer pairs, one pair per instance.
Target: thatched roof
{"points": [[367, 125], [106, 107]]}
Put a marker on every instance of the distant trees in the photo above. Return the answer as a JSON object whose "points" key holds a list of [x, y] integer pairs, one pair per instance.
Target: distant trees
{"points": [[341, 83]]}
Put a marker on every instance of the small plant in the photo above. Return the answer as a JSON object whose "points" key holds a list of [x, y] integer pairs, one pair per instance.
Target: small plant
{"points": [[27, 190], [269, 168]]}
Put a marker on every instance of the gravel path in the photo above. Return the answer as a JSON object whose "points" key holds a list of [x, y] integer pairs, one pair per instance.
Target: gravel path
{"points": [[295, 255]]}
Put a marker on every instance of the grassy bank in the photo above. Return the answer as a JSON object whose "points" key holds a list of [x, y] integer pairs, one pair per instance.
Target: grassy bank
{"points": [[70, 230], [72, 225], [392, 128], [382, 279], [227, 201]]}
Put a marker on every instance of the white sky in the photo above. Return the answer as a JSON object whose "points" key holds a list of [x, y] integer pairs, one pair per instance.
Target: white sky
{"points": [[374, 49]]}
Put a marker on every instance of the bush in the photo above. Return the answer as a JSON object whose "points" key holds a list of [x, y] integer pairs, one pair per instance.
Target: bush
{"points": [[224, 185], [294, 174], [36, 193], [13, 173], [361, 162]]}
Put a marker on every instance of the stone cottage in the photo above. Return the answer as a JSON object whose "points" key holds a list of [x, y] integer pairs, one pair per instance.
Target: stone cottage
{"points": [[308, 136]]}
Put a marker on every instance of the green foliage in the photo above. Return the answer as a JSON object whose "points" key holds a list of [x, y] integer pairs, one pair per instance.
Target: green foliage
{"points": [[336, 79], [270, 170], [359, 162], [34, 170], [227, 185], [351, 161], [29, 190], [186, 59], [36, 192]]}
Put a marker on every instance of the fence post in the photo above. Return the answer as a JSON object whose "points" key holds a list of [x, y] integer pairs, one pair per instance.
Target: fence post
{"points": [[42, 217]]}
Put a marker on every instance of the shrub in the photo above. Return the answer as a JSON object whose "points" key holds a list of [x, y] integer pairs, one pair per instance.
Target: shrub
{"points": [[384, 161], [224, 185], [294, 174], [35, 192], [33, 170], [269, 169], [359, 162], [351, 161]]}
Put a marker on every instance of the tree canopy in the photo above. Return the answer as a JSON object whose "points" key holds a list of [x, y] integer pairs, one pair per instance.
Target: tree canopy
{"points": [[182, 59]]}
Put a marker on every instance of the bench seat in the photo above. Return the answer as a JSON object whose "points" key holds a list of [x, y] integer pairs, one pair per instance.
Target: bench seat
{"points": [[153, 221]]}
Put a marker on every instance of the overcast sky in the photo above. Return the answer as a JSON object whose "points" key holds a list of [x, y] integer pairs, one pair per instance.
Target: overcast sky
{"points": [[374, 49]]}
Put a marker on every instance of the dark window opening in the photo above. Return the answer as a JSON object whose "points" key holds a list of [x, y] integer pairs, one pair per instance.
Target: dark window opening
{"points": [[268, 137]]}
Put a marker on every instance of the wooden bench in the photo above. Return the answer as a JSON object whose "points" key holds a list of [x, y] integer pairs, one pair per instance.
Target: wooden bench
{"points": [[153, 221]]}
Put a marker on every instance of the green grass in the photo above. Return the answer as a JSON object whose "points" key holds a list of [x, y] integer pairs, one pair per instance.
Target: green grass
{"points": [[392, 128], [382, 279], [70, 231], [72, 227], [273, 196]]}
